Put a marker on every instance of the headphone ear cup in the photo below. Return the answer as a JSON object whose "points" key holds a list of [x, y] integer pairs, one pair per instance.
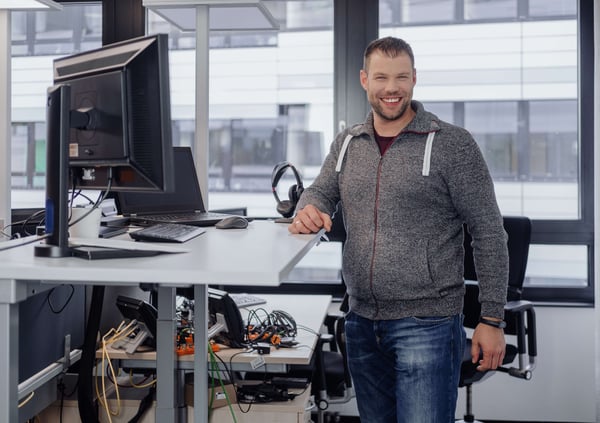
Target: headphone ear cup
{"points": [[299, 190], [293, 194], [286, 208]]}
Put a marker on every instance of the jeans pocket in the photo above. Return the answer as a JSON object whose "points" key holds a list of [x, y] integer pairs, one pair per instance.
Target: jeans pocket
{"points": [[432, 320]]}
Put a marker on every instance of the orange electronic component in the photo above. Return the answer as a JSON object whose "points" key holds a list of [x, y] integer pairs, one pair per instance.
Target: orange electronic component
{"points": [[185, 350], [186, 344]]}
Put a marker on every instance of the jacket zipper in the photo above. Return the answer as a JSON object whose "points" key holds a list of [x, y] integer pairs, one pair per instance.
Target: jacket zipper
{"points": [[375, 218]]}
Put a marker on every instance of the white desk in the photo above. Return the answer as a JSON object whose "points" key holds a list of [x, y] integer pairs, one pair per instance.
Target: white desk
{"points": [[263, 254]]}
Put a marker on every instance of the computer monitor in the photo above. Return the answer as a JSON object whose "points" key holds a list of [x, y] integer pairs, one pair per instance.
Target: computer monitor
{"points": [[109, 127], [122, 93]]}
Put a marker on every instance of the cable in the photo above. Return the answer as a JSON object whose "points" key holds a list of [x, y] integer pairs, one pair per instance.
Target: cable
{"points": [[25, 222], [277, 328], [26, 400], [215, 367], [113, 335], [31, 241], [101, 198], [145, 405], [87, 409], [68, 300], [61, 388]]}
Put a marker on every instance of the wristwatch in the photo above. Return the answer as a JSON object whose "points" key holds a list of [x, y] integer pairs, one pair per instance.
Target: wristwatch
{"points": [[500, 324]]}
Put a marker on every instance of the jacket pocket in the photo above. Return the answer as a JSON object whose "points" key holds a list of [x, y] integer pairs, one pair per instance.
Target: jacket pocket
{"points": [[403, 273]]}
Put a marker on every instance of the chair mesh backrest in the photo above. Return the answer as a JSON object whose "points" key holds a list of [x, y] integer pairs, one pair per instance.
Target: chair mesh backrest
{"points": [[518, 229]]}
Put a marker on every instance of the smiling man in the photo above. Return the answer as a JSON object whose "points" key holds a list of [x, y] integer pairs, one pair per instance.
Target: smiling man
{"points": [[407, 182]]}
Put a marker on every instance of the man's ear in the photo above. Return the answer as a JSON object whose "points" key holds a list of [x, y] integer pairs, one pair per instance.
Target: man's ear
{"points": [[363, 79]]}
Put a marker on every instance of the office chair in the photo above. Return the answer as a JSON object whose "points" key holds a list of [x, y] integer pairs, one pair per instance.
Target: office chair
{"points": [[519, 314], [332, 383]]}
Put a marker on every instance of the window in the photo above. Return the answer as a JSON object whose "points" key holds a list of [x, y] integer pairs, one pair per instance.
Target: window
{"points": [[37, 38], [486, 9], [270, 100], [508, 72], [494, 126], [75, 28]]}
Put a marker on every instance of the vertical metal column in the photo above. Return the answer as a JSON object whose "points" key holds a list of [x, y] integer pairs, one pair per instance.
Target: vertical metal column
{"points": [[166, 358], [5, 115], [202, 89], [201, 351], [9, 362]]}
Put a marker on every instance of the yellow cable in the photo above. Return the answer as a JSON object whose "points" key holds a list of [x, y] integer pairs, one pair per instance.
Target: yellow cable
{"points": [[26, 400], [145, 385], [113, 335]]}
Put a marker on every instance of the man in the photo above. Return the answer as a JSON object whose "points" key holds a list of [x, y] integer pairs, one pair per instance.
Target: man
{"points": [[407, 182]]}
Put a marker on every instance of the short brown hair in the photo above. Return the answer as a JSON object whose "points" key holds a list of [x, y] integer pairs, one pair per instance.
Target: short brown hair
{"points": [[389, 46]]}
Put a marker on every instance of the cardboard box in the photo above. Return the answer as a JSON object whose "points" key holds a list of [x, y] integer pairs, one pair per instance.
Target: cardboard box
{"points": [[295, 411], [219, 395]]}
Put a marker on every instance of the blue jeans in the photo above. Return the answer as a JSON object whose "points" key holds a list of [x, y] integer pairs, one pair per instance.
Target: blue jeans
{"points": [[407, 370]]}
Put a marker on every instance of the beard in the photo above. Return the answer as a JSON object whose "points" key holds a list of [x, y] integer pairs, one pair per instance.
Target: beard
{"points": [[389, 115]]}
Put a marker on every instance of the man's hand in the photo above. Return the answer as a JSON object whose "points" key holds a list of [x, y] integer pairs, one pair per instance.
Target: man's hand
{"points": [[310, 220], [490, 341]]}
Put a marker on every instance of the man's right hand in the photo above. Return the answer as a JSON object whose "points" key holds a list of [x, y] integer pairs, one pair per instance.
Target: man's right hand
{"points": [[310, 220]]}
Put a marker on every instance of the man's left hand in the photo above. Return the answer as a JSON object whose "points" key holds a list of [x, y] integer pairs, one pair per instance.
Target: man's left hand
{"points": [[490, 341]]}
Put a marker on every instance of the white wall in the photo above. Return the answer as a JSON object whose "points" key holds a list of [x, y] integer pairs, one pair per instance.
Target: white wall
{"points": [[563, 385]]}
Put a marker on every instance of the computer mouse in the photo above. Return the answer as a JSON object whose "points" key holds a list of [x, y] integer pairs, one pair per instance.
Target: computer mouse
{"points": [[232, 222]]}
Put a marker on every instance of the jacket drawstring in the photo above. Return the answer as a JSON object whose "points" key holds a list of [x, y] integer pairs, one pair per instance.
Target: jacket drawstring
{"points": [[427, 154], [338, 166]]}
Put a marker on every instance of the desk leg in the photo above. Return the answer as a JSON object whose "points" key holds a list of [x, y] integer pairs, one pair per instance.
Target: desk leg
{"points": [[9, 362], [166, 358], [201, 351]]}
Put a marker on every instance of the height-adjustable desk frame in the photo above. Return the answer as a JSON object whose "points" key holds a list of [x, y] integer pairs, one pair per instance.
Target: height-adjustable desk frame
{"points": [[263, 255]]}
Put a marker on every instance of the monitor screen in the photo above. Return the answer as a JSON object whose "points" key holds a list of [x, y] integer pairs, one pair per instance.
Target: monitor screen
{"points": [[120, 119]]}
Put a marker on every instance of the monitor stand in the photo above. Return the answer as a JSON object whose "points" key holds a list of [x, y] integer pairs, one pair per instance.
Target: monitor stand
{"points": [[57, 173]]}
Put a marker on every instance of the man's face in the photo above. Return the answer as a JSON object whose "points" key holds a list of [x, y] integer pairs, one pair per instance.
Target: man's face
{"points": [[389, 84]]}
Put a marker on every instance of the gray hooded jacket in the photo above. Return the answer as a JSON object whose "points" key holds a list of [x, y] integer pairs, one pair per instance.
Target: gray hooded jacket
{"points": [[404, 214]]}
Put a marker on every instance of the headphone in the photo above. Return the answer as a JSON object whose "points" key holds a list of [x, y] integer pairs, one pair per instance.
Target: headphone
{"points": [[286, 207]]}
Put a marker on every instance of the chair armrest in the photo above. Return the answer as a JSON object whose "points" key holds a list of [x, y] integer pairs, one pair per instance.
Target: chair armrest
{"points": [[521, 323], [518, 306]]}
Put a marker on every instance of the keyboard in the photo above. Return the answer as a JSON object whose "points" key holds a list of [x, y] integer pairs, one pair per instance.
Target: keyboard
{"points": [[167, 232], [246, 300]]}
